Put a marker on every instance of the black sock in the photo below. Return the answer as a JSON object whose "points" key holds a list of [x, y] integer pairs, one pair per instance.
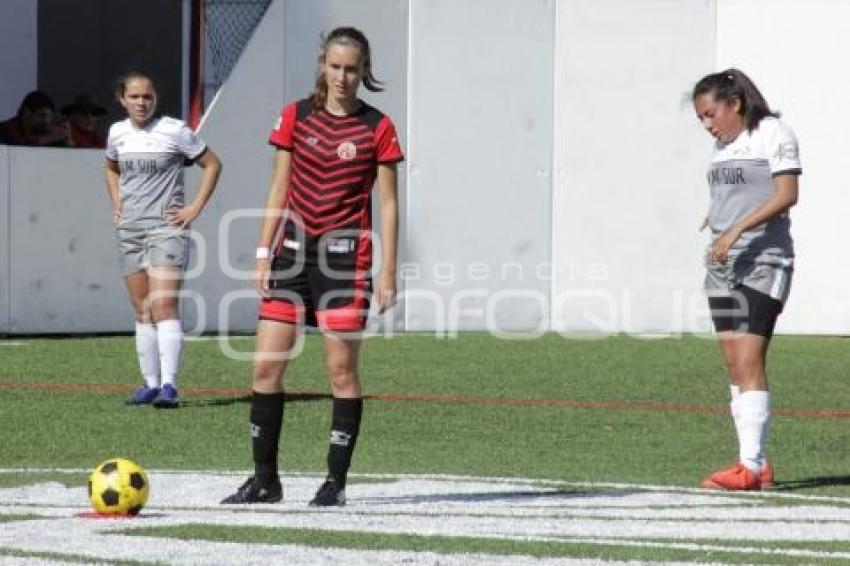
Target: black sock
{"points": [[266, 421], [344, 428]]}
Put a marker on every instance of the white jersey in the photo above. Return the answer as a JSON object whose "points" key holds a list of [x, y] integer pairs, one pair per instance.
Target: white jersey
{"points": [[740, 179], [151, 160]]}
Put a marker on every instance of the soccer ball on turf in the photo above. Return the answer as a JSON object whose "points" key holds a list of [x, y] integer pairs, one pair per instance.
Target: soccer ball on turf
{"points": [[118, 487]]}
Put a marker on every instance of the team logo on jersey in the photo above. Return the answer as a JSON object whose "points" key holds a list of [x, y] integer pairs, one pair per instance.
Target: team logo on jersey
{"points": [[346, 150], [312, 140], [787, 150]]}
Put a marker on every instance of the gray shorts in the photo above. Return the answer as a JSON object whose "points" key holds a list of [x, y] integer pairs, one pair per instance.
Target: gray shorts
{"points": [[768, 271], [161, 246]]}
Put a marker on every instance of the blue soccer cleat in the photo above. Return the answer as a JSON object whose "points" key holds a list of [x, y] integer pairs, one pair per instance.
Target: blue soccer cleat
{"points": [[144, 395], [168, 398]]}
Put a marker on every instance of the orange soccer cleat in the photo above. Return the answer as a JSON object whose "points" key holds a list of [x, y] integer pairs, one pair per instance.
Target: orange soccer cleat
{"points": [[736, 478]]}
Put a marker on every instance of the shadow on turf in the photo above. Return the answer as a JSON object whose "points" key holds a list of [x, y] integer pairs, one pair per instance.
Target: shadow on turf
{"points": [[811, 483], [488, 496], [227, 401]]}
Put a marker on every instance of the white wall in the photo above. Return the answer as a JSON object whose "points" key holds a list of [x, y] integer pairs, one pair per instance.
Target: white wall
{"points": [[796, 52], [629, 190], [18, 30], [480, 148], [64, 275]]}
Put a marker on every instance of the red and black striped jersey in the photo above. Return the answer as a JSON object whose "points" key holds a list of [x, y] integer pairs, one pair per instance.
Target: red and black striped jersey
{"points": [[334, 163]]}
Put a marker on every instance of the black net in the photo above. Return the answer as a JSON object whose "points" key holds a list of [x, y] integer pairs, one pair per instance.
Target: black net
{"points": [[229, 25]]}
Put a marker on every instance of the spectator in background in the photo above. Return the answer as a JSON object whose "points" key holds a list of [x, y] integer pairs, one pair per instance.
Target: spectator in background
{"points": [[35, 124], [83, 117]]}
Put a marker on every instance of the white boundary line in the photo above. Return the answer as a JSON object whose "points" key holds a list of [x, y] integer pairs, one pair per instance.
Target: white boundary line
{"points": [[462, 478], [421, 508]]}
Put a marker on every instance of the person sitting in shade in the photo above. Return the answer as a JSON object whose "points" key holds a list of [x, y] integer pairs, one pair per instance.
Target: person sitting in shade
{"points": [[35, 124], [83, 117]]}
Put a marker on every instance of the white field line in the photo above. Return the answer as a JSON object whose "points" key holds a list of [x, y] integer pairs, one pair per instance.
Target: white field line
{"points": [[3, 343], [542, 482], [448, 506]]}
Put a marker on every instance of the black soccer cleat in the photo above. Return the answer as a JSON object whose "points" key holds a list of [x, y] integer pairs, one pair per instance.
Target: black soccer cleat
{"points": [[252, 491], [329, 495]]}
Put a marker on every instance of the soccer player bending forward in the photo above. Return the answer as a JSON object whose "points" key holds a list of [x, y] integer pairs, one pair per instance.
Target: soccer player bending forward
{"points": [[752, 179], [330, 149], [145, 156]]}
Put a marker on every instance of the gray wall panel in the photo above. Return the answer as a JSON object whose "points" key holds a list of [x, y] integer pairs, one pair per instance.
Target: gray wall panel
{"points": [[630, 159], [5, 272], [64, 272], [480, 170], [812, 101]]}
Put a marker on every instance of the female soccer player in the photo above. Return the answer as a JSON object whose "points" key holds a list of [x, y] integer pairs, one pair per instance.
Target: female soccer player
{"points": [[145, 156], [331, 147], [753, 183]]}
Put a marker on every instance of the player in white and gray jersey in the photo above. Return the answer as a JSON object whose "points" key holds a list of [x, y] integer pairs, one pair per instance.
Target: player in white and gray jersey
{"points": [[145, 157], [151, 161], [753, 181], [741, 179]]}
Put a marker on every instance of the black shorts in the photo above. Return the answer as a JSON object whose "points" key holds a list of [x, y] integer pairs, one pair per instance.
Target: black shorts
{"points": [[323, 282], [745, 310]]}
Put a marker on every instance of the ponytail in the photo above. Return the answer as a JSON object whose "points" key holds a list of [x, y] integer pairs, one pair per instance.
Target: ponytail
{"points": [[731, 85]]}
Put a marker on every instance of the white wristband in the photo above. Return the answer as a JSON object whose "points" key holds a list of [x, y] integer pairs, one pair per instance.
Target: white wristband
{"points": [[263, 253]]}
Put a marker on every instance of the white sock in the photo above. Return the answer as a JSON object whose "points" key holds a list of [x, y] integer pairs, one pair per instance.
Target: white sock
{"points": [[734, 409], [170, 338], [734, 392], [754, 411], [148, 352]]}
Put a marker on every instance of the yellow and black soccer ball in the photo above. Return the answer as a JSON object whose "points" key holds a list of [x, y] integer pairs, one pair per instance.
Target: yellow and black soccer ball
{"points": [[118, 487]]}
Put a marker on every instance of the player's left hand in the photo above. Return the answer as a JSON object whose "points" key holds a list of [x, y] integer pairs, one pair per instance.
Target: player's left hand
{"points": [[719, 252], [182, 216], [385, 292]]}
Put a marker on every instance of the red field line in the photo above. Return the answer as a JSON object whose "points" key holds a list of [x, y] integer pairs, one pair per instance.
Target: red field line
{"points": [[645, 406]]}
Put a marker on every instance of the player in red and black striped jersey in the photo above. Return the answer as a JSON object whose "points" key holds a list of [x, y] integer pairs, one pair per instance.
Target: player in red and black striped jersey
{"points": [[331, 148]]}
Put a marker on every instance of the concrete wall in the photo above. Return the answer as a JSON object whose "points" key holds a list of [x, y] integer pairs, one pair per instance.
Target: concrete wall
{"points": [[796, 53], [61, 261], [629, 190], [18, 37], [480, 145]]}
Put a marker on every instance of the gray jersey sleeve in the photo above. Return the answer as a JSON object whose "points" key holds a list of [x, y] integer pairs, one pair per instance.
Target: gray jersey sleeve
{"points": [[111, 149], [189, 143], [782, 149]]}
